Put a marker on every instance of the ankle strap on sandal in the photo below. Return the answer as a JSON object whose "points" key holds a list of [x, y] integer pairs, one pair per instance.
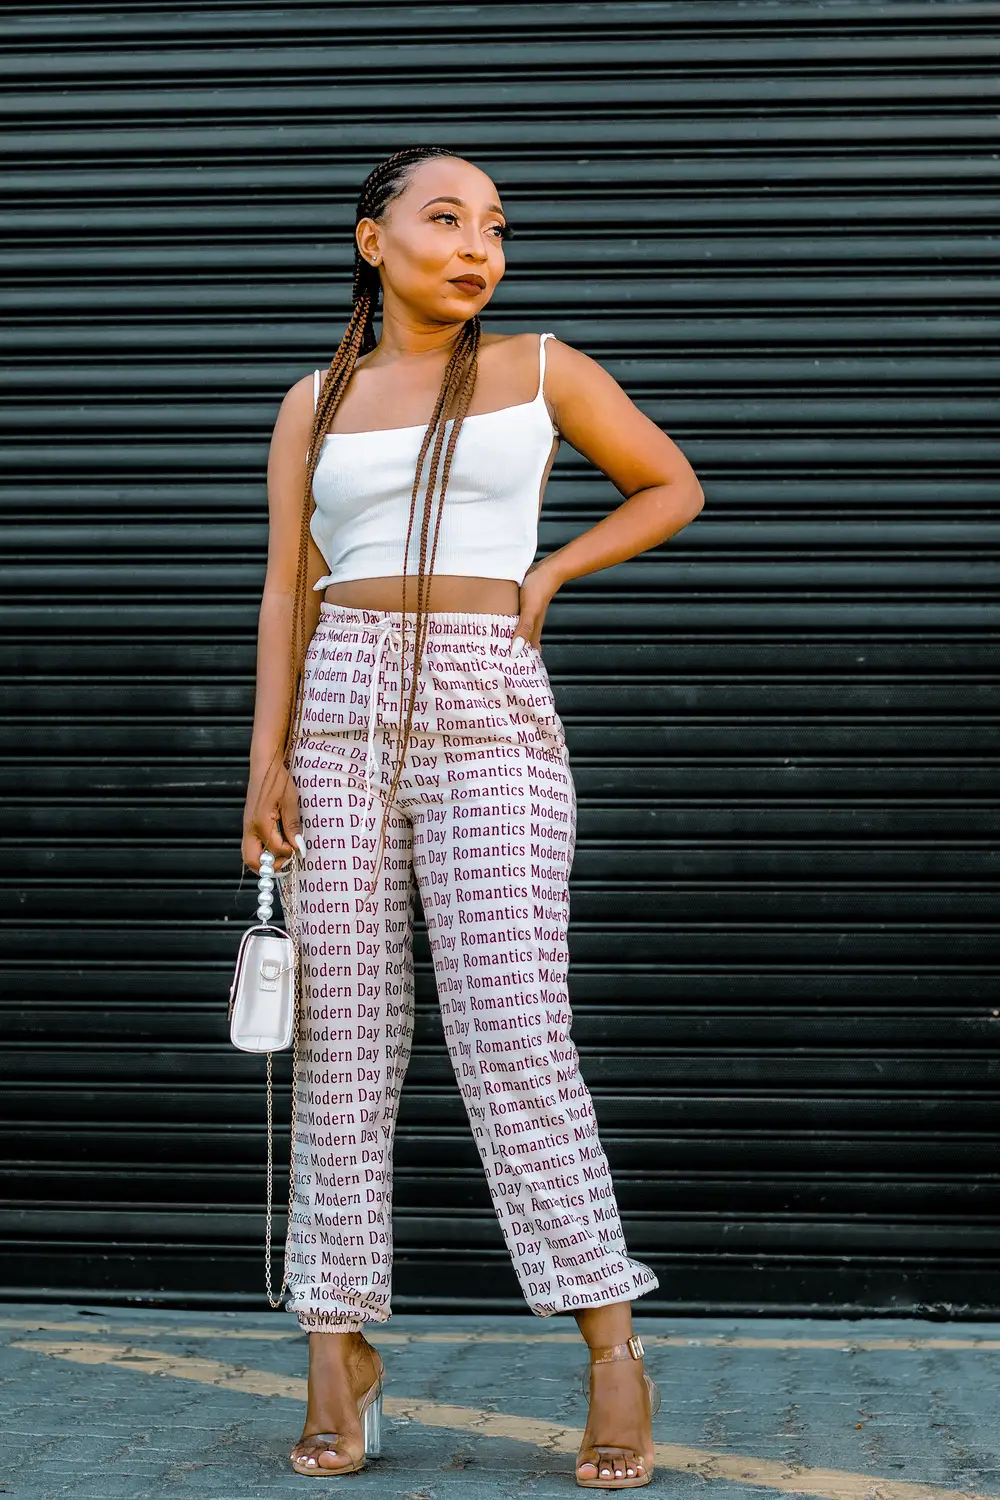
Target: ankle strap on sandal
{"points": [[631, 1349]]}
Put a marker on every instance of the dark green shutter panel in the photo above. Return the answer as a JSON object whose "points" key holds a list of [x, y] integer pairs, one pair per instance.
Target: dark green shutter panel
{"points": [[774, 225]]}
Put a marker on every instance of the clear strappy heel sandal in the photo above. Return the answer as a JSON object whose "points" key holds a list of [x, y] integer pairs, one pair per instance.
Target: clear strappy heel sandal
{"points": [[370, 1413], [631, 1349]]}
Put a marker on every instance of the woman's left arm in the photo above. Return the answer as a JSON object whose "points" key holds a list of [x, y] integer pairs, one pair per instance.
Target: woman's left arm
{"points": [[662, 492]]}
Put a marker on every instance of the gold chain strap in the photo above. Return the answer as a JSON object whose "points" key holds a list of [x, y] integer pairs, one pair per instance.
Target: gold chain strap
{"points": [[276, 1302], [291, 872]]}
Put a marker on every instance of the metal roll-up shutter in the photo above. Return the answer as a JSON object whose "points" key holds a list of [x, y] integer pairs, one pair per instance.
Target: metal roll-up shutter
{"points": [[774, 225]]}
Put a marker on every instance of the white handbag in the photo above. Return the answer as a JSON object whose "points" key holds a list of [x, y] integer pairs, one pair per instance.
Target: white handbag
{"points": [[262, 997], [263, 1017]]}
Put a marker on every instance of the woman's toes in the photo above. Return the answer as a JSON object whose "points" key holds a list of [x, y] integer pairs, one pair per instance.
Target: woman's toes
{"points": [[586, 1469], [628, 1466], [320, 1458], [617, 1467], [339, 1458]]}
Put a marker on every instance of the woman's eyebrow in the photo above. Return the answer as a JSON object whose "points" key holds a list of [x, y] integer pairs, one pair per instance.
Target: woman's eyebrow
{"points": [[491, 208]]}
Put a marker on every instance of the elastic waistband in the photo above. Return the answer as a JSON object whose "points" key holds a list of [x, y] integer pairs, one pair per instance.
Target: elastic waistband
{"points": [[441, 624]]}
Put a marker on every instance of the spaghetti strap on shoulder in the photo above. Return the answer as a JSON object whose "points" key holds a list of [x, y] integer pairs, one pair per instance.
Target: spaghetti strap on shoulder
{"points": [[316, 375], [541, 363], [540, 398]]}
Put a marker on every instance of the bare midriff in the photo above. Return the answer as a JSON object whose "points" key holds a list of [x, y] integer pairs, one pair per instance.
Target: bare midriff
{"points": [[446, 592]]}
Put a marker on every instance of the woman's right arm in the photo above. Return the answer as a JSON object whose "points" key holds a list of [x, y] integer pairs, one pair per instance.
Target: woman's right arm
{"points": [[271, 814]]}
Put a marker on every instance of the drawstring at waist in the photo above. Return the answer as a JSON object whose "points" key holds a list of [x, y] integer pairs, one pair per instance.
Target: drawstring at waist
{"points": [[389, 634]]}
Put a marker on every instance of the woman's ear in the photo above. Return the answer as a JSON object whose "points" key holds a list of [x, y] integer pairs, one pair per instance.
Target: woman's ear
{"points": [[366, 238]]}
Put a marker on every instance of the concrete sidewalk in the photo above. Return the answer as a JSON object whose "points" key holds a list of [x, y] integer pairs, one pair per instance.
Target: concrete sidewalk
{"points": [[105, 1404]]}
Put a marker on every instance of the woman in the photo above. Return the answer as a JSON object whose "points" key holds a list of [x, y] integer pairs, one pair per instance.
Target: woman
{"points": [[405, 736]]}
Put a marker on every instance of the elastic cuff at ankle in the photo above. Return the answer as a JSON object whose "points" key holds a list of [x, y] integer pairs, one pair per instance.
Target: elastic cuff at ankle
{"points": [[310, 1323]]}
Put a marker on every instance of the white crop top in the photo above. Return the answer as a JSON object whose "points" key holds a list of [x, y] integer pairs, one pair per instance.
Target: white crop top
{"points": [[489, 520]]}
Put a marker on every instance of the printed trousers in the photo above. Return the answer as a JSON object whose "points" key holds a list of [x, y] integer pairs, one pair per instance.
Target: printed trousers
{"points": [[484, 824]]}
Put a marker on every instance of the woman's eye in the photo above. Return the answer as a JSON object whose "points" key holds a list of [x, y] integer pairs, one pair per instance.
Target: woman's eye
{"points": [[502, 231]]}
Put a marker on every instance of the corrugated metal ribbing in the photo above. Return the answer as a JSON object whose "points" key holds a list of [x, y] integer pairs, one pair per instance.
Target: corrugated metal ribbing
{"points": [[775, 225]]}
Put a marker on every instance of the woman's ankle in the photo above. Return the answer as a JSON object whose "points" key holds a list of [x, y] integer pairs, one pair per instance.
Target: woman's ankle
{"points": [[349, 1351], [605, 1325]]}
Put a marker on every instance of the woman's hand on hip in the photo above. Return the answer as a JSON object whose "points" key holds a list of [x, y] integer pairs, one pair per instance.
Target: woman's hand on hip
{"points": [[271, 818], [537, 591]]}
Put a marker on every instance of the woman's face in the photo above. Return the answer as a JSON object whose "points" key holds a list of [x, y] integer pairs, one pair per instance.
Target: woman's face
{"points": [[444, 226]]}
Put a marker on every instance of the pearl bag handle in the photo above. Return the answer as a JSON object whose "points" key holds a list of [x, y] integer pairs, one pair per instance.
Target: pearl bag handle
{"points": [[265, 887]]}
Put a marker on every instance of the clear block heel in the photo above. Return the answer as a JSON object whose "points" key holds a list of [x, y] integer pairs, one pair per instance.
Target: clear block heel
{"points": [[371, 1424]]}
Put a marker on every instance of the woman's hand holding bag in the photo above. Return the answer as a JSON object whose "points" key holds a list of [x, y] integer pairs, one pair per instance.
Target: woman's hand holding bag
{"points": [[271, 818]]}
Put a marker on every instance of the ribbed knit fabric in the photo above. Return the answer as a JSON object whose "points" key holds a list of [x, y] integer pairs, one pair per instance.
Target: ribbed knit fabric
{"points": [[489, 525]]}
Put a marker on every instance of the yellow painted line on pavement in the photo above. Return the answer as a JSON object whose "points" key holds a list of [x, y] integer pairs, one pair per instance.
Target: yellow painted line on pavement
{"points": [[148, 1330], [377, 1336], [829, 1484]]}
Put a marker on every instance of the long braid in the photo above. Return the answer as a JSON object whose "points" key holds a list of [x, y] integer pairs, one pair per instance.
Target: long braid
{"points": [[385, 182], [457, 387]]}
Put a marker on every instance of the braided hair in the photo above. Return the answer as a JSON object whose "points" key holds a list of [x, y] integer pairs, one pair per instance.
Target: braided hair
{"points": [[385, 182]]}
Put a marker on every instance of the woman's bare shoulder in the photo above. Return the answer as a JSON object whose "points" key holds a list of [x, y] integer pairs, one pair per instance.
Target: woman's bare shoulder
{"points": [[300, 393], [526, 340], [518, 360], [294, 421]]}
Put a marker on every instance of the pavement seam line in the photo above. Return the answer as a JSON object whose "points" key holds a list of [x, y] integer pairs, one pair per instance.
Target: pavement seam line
{"points": [[847, 1344]]}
